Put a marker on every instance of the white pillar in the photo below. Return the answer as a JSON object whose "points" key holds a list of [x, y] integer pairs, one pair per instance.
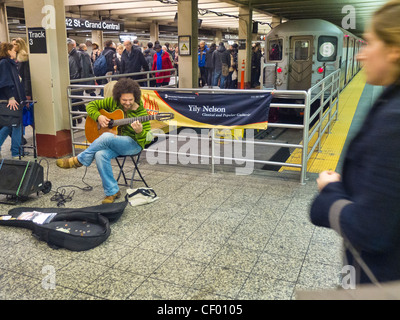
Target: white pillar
{"points": [[188, 26], [4, 37], [245, 29], [154, 32], [50, 77], [97, 36]]}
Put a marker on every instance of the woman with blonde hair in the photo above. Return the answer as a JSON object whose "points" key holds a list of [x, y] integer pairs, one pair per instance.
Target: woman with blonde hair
{"points": [[363, 203], [23, 65]]}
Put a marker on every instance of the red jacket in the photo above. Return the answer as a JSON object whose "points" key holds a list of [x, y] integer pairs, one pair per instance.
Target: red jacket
{"points": [[166, 64]]}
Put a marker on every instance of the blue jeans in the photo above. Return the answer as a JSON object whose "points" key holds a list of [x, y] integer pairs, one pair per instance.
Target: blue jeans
{"points": [[16, 135], [218, 74], [108, 146]]}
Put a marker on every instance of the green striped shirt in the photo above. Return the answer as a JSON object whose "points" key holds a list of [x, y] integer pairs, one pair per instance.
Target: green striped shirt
{"points": [[110, 105]]}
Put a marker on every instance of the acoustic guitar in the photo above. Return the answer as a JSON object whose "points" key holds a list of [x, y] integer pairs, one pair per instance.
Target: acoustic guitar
{"points": [[117, 118]]}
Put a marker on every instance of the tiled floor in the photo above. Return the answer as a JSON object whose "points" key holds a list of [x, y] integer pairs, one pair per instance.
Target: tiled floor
{"points": [[209, 236]]}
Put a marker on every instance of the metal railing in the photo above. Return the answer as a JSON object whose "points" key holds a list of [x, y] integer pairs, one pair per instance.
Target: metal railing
{"points": [[327, 91]]}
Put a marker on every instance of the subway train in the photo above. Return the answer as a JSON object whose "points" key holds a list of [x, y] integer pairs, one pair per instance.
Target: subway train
{"points": [[299, 53]]}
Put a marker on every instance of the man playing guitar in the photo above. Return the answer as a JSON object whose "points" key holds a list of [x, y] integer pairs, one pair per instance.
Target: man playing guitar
{"points": [[130, 140]]}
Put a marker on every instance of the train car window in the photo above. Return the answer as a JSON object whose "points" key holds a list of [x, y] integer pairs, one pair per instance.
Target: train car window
{"points": [[327, 48], [275, 49], [301, 50]]}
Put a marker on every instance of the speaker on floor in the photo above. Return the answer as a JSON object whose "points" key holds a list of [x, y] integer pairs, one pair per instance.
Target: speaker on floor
{"points": [[20, 178]]}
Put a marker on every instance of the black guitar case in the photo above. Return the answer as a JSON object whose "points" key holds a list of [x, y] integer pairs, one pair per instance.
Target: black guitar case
{"points": [[75, 229]]}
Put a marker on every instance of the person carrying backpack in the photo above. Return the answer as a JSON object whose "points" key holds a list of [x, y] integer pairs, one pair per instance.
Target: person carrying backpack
{"points": [[105, 63]]}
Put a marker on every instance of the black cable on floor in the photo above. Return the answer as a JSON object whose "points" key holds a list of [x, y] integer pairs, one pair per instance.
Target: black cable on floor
{"points": [[62, 197]]}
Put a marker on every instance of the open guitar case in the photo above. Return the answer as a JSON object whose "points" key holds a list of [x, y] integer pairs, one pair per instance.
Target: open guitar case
{"points": [[75, 229]]}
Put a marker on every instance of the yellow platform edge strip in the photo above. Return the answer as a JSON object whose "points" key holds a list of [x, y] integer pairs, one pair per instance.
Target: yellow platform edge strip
{"points": [[332, 144]]}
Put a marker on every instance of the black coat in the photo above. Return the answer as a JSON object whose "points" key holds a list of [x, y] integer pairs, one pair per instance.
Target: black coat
{"points": [[134, 62], [209, 60], [365, 206], [10, 81], [75, 65], [111, 58], [220, 56], [24, 72]]}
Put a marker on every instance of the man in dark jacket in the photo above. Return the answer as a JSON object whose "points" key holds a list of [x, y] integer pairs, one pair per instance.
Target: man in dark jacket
{"points": [[256, 65], [222, 62], [149, 55], [132, 60], [75, 72], [209, 64], [74, 60], [87, 68]]}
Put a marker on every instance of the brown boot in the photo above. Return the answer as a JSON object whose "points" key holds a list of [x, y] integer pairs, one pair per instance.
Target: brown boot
{"points": [[111, 199], [67, 163]]}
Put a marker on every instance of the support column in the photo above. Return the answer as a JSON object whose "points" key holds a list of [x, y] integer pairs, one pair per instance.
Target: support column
{"points": [[188, 26], [245, 28], [50, 78], [154, 32], [97, 36], [4, 37], [218, 37]]}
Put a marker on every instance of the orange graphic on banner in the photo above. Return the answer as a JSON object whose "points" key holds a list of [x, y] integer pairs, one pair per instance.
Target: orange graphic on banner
{"points": [[150, 105]]}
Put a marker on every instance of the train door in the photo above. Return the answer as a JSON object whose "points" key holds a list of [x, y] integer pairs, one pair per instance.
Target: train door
{"points": [[350, 60], [300, 62], [346, 54]]}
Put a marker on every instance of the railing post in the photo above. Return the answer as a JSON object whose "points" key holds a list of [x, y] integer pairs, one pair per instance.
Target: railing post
{"points": [[321, 113], [338, 94], [306, 123], [70, 120], [330, 106], [212, 151]]}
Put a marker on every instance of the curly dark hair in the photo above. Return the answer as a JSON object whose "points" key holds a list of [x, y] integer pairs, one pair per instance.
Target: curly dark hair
{"points": [[4, 48], [127, 85]]}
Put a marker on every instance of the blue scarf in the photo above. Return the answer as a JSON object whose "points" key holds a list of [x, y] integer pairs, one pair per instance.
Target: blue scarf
{"points": [[159, 60]]}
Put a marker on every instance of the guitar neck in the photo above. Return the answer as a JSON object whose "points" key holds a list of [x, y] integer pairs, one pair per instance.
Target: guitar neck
{"points": [[126, 121]]}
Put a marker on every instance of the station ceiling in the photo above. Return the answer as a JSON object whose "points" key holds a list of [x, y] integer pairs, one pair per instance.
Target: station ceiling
{"points": [[139, 14], [331, 10]]}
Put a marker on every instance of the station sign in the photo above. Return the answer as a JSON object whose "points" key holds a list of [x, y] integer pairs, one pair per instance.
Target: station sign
{"points": [[79, 23], [37, 40]]}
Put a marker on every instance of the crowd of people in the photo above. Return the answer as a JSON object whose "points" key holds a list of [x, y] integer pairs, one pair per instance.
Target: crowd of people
{"points": [[217, 64], [122, 58]]}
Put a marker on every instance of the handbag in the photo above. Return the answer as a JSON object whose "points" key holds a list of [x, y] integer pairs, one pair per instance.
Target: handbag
{"points": [[140, 196], [374, 291], [8, 116], [225, 68]]}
